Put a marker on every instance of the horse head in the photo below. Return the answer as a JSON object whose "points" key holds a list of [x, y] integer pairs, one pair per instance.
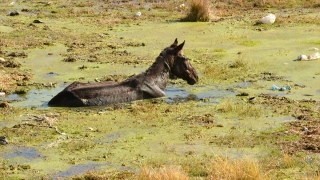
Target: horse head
{"points": [[179, 64]]}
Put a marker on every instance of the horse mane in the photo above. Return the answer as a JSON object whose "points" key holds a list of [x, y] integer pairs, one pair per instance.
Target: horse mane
{"points": [[155, 68]]}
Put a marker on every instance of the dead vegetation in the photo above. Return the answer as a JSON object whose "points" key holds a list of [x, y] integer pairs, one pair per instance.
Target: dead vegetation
{"points": [[199, 11]]}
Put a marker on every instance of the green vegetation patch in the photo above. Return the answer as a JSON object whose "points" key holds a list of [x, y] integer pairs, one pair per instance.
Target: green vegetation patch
{"points": [[249, 43]]}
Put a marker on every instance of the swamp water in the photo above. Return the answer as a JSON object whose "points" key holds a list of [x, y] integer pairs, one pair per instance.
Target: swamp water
{"points": [[124, 140]]}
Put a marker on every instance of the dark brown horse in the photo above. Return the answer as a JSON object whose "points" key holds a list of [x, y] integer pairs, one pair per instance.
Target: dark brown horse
{"points": [[150, 84]]}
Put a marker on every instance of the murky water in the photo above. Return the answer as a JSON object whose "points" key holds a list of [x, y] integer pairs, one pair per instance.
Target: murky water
{"points": [[78, 170], [40, 97], [22, 154], [34, 98]]}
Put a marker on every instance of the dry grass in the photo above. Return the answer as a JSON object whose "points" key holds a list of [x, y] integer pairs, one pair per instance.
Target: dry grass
{"points": [[165, 172], [9, 80], [95, 175], [222, 168], [240, 63], [199, 11], [266, 3], [5, 81], [317, 177], [219, 168]]}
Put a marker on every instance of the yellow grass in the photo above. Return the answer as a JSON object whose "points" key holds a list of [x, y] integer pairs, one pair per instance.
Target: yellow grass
{"points": [[5, 81], [245, 168], [199, 11], [165, 172]]}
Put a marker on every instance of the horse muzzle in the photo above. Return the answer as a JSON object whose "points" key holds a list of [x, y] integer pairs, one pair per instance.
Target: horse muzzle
{"points": [[192, 78]]}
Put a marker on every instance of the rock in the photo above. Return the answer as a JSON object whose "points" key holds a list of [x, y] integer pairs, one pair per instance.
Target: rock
{"points": [[2, 59], [269, 19], [14, 13], [252, 100], [37, 21], [302, 57], [3, 140], [243, 94], [4, 105]]}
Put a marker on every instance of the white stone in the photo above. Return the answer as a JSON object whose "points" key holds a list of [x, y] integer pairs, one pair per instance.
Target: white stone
{"points": [[269, 19]]}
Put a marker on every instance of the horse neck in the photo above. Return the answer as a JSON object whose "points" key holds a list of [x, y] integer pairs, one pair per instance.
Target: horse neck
{"points": [[158, 72]]}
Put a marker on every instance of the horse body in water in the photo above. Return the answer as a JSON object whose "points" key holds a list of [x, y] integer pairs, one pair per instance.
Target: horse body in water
{"points": [[149, 84]]}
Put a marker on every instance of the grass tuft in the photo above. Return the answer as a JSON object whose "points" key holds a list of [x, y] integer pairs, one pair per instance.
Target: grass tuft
{"points": [[240, 63], [199, 11], [165, 172], [222, 168]]}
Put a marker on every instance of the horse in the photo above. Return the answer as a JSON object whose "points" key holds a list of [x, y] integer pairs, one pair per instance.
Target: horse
{"points": [[147, 85]]}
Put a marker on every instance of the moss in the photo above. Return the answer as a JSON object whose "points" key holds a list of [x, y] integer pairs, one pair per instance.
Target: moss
{"points": [[249, 43]]}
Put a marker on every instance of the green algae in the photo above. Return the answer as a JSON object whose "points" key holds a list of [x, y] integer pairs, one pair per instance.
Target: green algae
{"points": [[131, 136], [249, 43], [44, 62]]}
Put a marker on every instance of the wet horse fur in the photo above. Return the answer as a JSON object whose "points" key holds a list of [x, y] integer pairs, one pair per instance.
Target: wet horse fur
{"points": [[149, 84]]}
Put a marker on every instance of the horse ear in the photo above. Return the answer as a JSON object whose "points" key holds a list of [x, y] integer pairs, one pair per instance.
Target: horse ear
{"points": [[179, 48], [175, 42]]}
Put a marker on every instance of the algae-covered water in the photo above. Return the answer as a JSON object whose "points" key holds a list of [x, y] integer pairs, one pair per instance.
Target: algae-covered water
{"points": [[191, 122]]}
